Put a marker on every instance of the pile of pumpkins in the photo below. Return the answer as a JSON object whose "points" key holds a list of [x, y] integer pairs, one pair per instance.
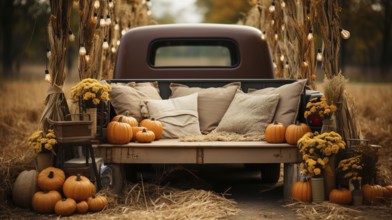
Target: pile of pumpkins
{"points": [[79, 193], [124, 129], [278, 133], [302, 191]]}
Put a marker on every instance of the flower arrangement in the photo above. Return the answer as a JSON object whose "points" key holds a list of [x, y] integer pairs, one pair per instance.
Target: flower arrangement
{"points": [[91, 92], [351, 168], [40, 141], [319, 106], [316, 149]]}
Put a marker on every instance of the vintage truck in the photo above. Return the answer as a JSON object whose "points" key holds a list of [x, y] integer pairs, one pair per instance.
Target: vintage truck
{"points": [[202, 56]]}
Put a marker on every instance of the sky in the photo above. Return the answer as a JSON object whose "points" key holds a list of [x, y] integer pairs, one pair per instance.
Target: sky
{"points": [[184, 11]]}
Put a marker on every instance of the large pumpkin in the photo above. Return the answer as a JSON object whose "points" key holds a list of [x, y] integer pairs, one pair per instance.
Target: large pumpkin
{"points": [[387, 191], [301, 191], [340, 196], [78, 188], [295, 131], [154, 126], [119, 132], [97, 203], [24, 188], [44, 202], [372, 193], [275, 132], [127, 119], [65, 207], [51, 178]]}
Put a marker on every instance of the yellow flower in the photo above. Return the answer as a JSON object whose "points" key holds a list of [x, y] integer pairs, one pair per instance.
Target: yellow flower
{"points": [[48, 146], [96, 101], [317, 171], [311, 162], [321, 161]]}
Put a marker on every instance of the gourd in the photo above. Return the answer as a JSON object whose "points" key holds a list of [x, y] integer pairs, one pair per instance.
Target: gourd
{"points": [[301, 191], [65, 207], [24, 188], [145, 136], [371, 192], [82, 207], [275, 132], [97, 203], [154, 126], [127, 119], [135, 130], [340, 196], [119, 132], [44, 202], [295, 131], [78, 188], [51, 178]]}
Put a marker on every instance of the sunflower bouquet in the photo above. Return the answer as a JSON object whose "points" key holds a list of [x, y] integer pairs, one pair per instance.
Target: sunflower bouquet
{"points": [[320, 106], [91, 92], [40, 141], [316, 149]]}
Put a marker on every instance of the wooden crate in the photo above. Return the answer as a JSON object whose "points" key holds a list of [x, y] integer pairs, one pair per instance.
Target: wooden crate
{"points": [[79, 126]]}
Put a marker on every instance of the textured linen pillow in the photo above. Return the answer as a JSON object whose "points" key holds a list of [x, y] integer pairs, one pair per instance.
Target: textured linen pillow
{"points": [[290, 98], [212, 102], [128, 97], [249, 114], [178, 116]]}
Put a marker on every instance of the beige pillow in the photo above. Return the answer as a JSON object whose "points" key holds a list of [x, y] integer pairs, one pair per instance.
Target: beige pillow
{"points": [[128, 98], [178, 116], [212, 102], [249, 114], [290, 98]]}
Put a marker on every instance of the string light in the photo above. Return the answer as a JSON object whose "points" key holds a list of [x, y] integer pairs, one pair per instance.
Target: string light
{"points": [[283, 4], [108, 20], [105, 44], [276, 36], [263, 35], [48, 53], [319, 56], [47, 76], [123, 32], [149, 12], [310, 35], [272, 22], [286, 65], [148, 3], [82, 51], [274, 64], [71, 36], [118, 42], [283, 27], [345, 33], [282, 57], [305, 63], [272, 7], [87, 58], [111, 4], [113, 49], [102, 22], [97, 4], [116, 27]]}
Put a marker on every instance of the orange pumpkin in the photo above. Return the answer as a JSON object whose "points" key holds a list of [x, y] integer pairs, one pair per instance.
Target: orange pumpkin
{"points": [[119, 132], [135, 130], [127, 119], [51, 178], [65, 207], [97, 203], [340, 196], [78, 188], [302, 191], [82, 207], [295, 131], [154, 126], [387, 191], [275, 132], [145, 136], [44, 202], [372, 193]]}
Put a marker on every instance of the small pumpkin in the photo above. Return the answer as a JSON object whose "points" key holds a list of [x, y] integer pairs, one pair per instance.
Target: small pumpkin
{"points": [[341, 196], [127, 119], [82, 207], [275, 132], [372, 193], [119, 132], [24, 188], [154, 126], [387, 191], [78, 188], [295, 131], [65, 207], [44, 202], [51, 178], [302, 191], [135, 130], [97, 203], [145, 136]]}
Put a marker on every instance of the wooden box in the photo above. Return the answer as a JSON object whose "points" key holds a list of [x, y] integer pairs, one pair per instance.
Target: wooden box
{"points": [[77, 127]]}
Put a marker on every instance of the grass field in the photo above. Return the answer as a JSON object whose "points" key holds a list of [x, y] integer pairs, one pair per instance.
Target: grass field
{"points": [[22, 102]]}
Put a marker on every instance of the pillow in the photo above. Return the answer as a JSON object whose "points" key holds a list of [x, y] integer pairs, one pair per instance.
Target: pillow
{"points": [[212, 102], [178, 116], [128, 98], [249, 114], [290, 98]]}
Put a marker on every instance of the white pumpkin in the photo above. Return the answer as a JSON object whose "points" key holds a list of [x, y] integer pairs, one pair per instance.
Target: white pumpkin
{"points": [[24, 188]]}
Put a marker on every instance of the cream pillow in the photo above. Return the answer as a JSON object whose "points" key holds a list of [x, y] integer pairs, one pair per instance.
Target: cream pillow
{"points": [[128, 98], [212, 102], [249, 114], [178, 116], [290, 98]]}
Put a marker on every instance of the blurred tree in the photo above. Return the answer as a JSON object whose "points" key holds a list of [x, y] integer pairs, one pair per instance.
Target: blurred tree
{"points": [[222, 11]]}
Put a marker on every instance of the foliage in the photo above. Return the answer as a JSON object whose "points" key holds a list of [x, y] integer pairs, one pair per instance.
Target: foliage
{"points": [[40, 141], [222, 11], [91, 92], [320, 106]]}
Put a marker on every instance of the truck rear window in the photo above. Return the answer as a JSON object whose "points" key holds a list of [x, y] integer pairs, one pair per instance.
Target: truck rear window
{"points": [[194, 53]]}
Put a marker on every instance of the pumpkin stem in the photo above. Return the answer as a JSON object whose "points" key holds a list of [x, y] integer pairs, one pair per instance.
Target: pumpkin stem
{"points": [[51, 175], [78, 177], [276, 122], [127, 113], [144, 130], [152, 119], [120, 119], [297, 123]]}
